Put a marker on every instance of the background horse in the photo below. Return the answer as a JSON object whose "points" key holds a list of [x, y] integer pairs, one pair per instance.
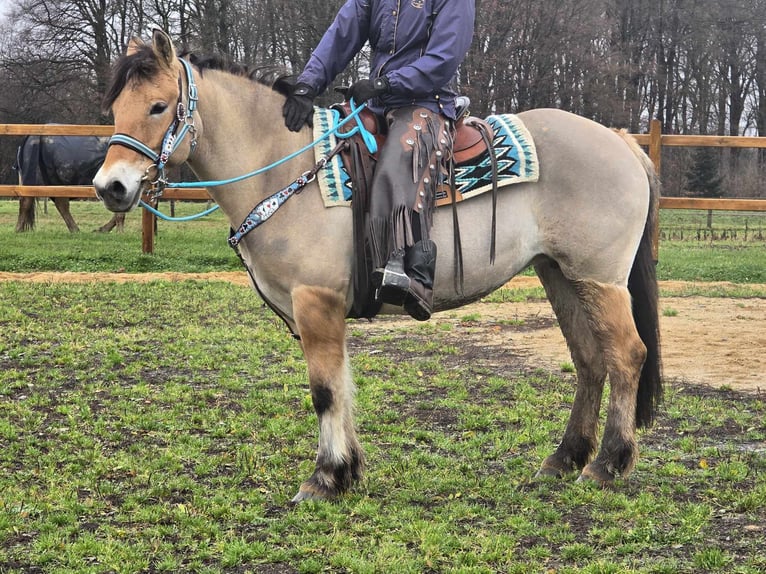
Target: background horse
{"points": [[59, 160], [586, 225]]}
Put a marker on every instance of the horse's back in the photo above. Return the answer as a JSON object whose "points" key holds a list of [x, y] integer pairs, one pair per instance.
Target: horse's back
{"points": [[573, 150], [586, 212]]}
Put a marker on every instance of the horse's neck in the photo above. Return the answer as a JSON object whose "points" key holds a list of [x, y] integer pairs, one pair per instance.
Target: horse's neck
{"points": [[241, 131]]}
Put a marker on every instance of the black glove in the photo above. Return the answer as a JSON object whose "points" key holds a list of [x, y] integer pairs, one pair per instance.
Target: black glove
{"points": [[299, 107], [364, 90]]}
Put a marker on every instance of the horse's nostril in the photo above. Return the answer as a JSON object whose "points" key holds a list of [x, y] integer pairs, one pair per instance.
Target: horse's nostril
{"points": [[116, 188]]}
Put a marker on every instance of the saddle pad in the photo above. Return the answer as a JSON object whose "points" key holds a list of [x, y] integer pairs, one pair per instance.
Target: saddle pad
{"points": [[514, 148], [516, 159], [334, 181]]}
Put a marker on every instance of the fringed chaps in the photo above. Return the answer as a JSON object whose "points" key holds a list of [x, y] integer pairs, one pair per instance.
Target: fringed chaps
{"points": [[411, 167]]}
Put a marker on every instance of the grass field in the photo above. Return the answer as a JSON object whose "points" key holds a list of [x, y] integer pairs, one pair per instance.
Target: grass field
{"points": [[193, 246], [164, 427]]}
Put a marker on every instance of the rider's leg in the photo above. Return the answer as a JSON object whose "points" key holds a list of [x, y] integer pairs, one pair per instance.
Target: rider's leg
{"points": [[408, 171]]}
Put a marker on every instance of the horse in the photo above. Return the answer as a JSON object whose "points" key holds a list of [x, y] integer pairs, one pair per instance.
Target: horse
{"points": [[586, 226], [59, 160]]}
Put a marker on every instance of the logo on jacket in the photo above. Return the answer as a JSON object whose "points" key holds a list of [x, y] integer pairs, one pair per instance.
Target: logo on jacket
{"points": [[418, 4]]}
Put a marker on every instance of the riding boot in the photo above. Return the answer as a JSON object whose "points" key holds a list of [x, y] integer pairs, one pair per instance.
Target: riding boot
{"points": [[420, 266], [391, 282]]}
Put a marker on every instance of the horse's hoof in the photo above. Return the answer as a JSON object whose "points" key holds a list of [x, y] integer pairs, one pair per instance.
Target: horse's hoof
{"points": [[583, 478], [556, 466], [597, 474], [309, 490], [304, 495], [549, 472]]}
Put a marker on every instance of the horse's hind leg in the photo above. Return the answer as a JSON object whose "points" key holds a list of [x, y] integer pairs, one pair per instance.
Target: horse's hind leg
{"points": [[26, 220], [580, 441], [610, 316], [62, 204], [320, 317]]}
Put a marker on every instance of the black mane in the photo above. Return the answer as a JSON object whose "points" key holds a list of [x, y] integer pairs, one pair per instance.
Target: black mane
{"points": [[142, 65], [268, 75]]}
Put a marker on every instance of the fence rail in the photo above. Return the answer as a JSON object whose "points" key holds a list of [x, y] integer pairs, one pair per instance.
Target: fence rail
{"points": [[55, 130], [87, 192], [655, 140]]}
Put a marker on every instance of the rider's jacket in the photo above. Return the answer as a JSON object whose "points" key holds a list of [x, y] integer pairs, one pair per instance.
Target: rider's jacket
{"points": [[417, 45]]}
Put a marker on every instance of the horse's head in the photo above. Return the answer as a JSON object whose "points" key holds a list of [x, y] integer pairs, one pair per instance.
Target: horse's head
{"points": [[150, 108]]}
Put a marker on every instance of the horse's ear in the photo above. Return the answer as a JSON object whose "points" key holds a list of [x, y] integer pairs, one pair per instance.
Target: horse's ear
{"points": [[133, 46], [163, 47]]}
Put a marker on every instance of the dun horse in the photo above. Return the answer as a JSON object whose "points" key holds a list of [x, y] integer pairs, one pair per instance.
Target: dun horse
{"points": [[586, 226], [59, 160]]}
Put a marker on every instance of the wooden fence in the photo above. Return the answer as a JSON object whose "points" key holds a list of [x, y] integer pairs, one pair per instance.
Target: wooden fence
{"points": [[654, 141], [85, 191]]}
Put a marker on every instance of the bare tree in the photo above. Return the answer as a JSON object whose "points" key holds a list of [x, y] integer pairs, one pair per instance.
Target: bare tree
{"points": [[698, 65], [759, 31], [60, 56]]}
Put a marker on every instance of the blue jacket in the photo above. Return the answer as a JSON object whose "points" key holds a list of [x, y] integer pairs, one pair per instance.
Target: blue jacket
{"points": [[417, 44]]}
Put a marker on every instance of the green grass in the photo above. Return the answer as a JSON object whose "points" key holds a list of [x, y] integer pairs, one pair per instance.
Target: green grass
{"points": [[731, 249], [702, 225], [200, 246], [163, 427], [193, 246], [719, 261]]}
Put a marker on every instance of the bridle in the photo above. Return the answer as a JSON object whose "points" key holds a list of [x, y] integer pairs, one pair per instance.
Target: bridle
{"points": [[182, 124], [184, 119]]}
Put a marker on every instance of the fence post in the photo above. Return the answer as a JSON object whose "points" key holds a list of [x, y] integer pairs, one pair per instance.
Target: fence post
{"points": [[655, 144], [655, 154], [147, 229]]}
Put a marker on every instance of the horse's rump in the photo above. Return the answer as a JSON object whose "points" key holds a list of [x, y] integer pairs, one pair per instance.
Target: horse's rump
{"points": [[28, 161]]}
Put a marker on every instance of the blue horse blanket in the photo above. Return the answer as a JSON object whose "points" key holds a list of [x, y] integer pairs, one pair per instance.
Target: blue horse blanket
{"points": [[514, 149]]}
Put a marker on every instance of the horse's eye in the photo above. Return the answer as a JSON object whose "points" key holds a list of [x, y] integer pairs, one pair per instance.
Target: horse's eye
{"points": [[158, 108]]}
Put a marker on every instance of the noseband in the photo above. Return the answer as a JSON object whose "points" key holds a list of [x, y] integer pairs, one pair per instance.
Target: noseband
{"points": [[182, 123]]}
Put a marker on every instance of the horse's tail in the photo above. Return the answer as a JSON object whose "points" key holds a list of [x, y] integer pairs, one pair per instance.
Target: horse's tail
{"points": [[644, 291], [27, 157]]}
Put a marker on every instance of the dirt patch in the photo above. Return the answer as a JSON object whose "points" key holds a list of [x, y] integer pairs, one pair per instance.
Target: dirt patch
{"points": [[716, 341], [709, 340], [239, 278], [713, 341]]}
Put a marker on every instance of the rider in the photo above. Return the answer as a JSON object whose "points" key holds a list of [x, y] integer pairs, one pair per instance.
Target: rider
{"points": [[417, 47]]}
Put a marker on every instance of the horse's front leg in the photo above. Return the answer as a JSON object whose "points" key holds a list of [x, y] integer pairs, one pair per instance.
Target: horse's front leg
{"points": [[320, 318], [62, 204]]}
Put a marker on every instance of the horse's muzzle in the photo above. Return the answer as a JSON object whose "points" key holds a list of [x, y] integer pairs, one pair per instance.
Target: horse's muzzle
{"points": [[115, 196]]}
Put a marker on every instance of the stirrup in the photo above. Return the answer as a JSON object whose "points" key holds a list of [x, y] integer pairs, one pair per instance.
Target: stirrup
{"points": [[392, 283]]}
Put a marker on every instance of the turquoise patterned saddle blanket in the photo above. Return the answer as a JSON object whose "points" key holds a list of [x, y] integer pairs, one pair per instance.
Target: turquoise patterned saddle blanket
{"points": [[514, 149]]}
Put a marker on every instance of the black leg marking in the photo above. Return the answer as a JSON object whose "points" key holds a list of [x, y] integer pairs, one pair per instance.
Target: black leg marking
{"points": [[322, 398]]}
